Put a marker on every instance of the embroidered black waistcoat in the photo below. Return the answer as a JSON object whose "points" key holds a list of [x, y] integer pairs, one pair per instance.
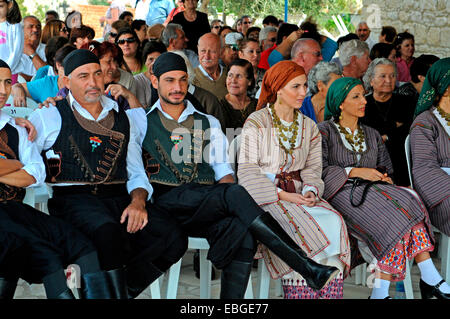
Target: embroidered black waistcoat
{"points": [[89, 152]]}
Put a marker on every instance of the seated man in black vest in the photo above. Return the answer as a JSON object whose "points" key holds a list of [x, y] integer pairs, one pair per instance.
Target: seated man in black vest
{"points": [[194, 184], [34, 246], [94, 164]]}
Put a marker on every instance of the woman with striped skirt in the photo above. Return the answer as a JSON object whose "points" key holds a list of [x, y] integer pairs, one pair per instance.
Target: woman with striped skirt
{"points": [[390, 223], [430, 145], [283, 177]]}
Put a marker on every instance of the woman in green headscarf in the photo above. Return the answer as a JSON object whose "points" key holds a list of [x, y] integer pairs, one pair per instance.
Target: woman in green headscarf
{"points": [[388, 223], [430, 145]]}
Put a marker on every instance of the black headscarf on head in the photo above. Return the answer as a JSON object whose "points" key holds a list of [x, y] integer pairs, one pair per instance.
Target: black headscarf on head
{"points": [[3, 64], [78, 58], [167, 62]]}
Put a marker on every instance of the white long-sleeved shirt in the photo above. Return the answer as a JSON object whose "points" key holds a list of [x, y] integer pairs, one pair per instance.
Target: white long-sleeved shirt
{"points": [[29, 155], [47, 122], [11, 45]]}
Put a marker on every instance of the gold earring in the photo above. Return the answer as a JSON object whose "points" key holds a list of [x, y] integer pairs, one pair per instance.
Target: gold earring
{"points": [[340, 117]]}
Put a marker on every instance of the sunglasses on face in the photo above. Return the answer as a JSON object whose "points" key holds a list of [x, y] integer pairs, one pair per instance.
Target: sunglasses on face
{"points": [[64, 29], [272, 39], [233, 47], [113, 34], [129, 40], [216, 27]]}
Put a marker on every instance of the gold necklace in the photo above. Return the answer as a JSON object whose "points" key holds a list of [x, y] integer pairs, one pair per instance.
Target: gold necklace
{"points": [[290, 129], [358, 142], [445, 116]]}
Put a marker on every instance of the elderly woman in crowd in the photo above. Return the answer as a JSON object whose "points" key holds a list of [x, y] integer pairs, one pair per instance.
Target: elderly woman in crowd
{"points": [[54, 28], [389, 113], [152, 50], [194, 23], [320, 78], [250, 50], [404, 44], [390, 223], [129, 43], [280, 165], [236, 106], [430, 145]]}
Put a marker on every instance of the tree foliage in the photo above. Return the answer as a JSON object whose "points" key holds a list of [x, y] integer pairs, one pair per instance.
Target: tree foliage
{"points": [[320, 10]]}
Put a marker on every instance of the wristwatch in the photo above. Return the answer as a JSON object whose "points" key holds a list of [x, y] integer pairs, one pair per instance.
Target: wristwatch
{"points": [[32, 56]]}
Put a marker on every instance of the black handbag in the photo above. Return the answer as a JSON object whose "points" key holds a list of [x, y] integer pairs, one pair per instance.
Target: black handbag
{"points": [[360, 181]]}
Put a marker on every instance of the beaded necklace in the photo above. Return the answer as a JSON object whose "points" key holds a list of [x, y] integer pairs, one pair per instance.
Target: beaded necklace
{"points": [[282, 128], [445, 116], [356, 142]]}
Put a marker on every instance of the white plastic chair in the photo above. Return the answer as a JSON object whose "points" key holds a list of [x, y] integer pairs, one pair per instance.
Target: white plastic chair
{"points": [[12, 111]]}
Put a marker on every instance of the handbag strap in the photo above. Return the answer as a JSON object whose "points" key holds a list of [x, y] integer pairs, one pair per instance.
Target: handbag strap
{"points": [[360, 181]]}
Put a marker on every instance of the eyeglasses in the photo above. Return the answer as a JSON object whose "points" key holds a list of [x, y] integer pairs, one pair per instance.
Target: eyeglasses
{"points": [[233, 47], [216, 27], [272, 39], [64, 29], [113, 34], [129, 40], [315, 53], [246, 22]]}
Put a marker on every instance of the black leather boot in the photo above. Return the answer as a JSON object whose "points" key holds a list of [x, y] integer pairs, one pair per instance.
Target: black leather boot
{"points": [[139, 277], [7, 288], [234, 280], [66, 294], [267, 230], [118, 283], [95, 286]]}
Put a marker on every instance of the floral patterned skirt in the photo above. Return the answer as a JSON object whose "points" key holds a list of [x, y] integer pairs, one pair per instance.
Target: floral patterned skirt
{"points": [[413, 243], [299, 290]]}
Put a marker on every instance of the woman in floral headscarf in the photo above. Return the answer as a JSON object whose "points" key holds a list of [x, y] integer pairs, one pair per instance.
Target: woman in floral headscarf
{"points": [[390, 223], [280, 165], [430, 145]]}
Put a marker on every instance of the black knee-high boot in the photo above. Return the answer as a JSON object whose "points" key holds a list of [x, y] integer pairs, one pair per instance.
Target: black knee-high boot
{"points": [[7, 288], [267, 230], [140, 276], [234, 279], [118, 283], [96, 286]]}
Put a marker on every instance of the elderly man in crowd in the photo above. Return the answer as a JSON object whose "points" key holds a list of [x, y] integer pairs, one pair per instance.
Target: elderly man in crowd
{"points": [[33, 56], [363, 32], [94, 162], [174, 38], [210, 75], [306, 52], [354, 56], [268, 37]]}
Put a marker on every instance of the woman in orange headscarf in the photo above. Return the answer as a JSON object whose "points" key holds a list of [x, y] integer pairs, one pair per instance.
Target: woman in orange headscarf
{"points": [[280, 165]]}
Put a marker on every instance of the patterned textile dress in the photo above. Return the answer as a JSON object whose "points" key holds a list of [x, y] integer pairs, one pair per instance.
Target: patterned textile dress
{"points": [[430, 152], [320, 231], [392, 222]]}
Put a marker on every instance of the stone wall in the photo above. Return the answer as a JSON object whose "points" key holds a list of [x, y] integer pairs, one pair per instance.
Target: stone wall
{"points": [[427, 20]]}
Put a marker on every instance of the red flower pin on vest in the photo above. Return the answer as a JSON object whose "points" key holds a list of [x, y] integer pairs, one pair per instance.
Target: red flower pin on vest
{"points": [[176, 139], [95, 141]]}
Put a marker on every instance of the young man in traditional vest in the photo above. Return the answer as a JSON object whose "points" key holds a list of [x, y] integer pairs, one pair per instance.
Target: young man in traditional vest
{"points": [[194, 184], [35, 246], [94, 163]]}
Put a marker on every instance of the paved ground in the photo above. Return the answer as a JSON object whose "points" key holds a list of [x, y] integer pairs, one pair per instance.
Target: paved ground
{"points": [[189, 285]]}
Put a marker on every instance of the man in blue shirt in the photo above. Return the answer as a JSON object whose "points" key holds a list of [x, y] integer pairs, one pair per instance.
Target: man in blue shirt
{"points": [[158, 11]]}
